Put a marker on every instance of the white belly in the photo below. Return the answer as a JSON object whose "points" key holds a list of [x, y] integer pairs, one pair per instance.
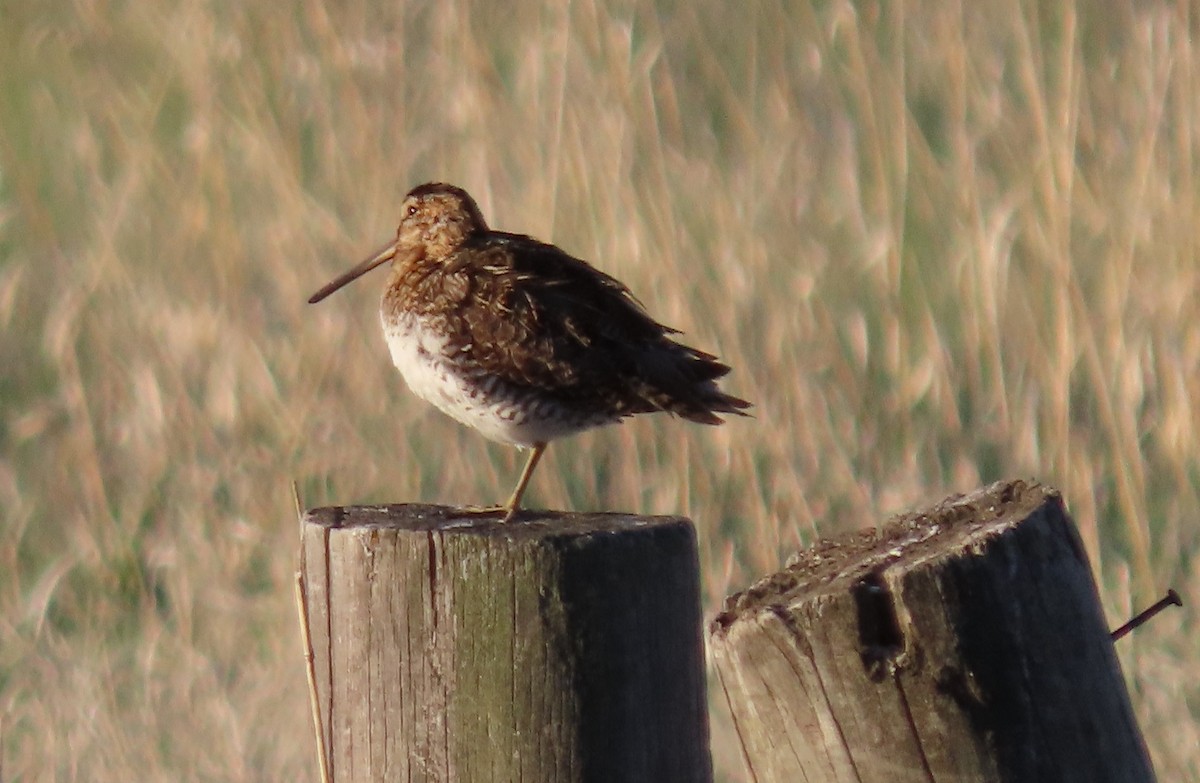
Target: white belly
{"points": [[485, 404]]}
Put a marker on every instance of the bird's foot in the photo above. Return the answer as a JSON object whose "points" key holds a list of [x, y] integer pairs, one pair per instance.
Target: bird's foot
{"points": [[506, 513]]}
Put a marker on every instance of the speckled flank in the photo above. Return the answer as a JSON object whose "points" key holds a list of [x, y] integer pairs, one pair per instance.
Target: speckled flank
{"points": [[500, 411]]}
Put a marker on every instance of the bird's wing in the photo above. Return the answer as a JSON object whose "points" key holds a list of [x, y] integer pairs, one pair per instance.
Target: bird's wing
{"points": [[552, 320], [536, 317]]}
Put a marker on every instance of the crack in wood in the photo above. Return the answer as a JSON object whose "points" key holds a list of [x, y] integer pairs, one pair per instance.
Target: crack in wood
{"points": [[881, 643]]}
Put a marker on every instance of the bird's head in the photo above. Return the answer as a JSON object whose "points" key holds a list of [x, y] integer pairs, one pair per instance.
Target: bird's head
{"points": [[435, 219]]}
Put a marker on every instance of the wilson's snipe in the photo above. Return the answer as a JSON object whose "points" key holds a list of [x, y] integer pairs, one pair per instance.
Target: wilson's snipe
{"points": [[522, 341]]}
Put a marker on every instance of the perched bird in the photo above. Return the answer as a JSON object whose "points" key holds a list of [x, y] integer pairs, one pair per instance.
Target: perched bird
{"points": [[522, 341]]}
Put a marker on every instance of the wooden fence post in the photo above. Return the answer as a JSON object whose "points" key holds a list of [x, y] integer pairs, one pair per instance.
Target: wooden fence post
{"points": [[963, 643], [565, 647]]}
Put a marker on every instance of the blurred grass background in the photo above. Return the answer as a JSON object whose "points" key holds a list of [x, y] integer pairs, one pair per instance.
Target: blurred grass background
{"points": [[940, 243]]}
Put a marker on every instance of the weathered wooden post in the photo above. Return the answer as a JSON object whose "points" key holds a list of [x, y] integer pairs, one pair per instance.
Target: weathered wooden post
{"points": [[965, 644], [561, 647]]}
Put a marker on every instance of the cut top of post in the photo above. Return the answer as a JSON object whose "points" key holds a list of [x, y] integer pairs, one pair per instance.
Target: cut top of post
{"points": [[529, 525], [831, 566]]}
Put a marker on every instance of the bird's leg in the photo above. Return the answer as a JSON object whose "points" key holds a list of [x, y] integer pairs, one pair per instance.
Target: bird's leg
{"points": [[514, 503]]}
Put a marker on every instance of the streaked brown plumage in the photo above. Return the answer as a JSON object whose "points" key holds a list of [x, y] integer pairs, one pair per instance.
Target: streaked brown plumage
{"points": [[522, 341]]}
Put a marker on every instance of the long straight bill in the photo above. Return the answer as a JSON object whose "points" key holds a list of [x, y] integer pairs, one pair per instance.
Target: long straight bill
{"points": [[384, 254]]}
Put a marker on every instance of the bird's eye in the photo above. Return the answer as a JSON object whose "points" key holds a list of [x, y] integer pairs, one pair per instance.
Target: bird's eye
{"points": [[412, 209]]}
